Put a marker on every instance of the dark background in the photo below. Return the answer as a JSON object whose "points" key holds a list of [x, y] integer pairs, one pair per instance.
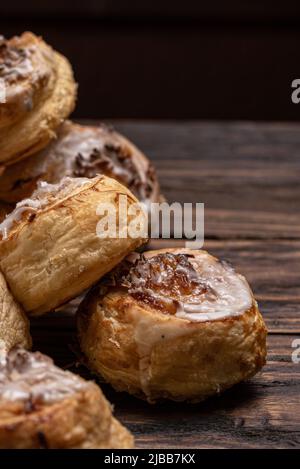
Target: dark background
{"points": [[169, 59]]}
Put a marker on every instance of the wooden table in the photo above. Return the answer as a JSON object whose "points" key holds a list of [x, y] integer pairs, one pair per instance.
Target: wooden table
{"points": [[248, 176]]}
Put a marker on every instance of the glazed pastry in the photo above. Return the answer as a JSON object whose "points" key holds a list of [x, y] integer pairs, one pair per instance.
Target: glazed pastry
{"points": [[52, 248], [42, 406], [40, 94], [14, 325], [175, 324], [83, 151]]}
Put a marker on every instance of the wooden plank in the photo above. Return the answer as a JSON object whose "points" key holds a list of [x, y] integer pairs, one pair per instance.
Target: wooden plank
{"points": [[246, 174]]}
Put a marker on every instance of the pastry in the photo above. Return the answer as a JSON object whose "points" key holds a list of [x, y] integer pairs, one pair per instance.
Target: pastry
{"points": [[175, 324], [52, 248], [40, 93], [42, 406], [82, 151], [14, 325]]}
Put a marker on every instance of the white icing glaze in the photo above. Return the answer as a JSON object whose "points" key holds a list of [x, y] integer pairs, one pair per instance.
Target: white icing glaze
{"points": [[18, 64], [216, 291], [44, 195], [82, 142], [232, 295], [16, 216], [59, 190], [33, 378]]}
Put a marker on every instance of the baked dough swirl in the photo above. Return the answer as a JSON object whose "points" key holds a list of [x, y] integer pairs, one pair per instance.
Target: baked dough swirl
{"points": [[50, 250], [83, 151], [175, 324], [42, 406], [40, 93]]}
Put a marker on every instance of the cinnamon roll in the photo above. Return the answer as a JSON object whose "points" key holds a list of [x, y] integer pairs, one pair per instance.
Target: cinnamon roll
{"points": [[14, 325], [42, 406], [176, 324], [39, 93], [52, 246], [83, 151]]}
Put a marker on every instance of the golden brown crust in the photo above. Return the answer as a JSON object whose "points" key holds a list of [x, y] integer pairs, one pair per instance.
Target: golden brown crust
{"points": [[40, 94], [82, 419], [53, 253], [82, 151], [154, 354], [14, 325], [120, 438]]}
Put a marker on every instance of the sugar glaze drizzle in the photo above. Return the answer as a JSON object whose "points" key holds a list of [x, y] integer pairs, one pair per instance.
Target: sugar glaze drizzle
{"points": [[41, 197], [193, 287], [32, 378]]}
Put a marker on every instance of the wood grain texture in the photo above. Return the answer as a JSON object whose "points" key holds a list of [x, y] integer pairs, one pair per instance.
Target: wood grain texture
{"points": [[248, 177], [246, 174]]}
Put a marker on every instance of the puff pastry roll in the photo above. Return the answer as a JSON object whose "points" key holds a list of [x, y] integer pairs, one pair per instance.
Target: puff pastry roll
{"points": [[14, 325], [40, 93], [176, 324], [42, 406], [83, 151], [51, 250]]}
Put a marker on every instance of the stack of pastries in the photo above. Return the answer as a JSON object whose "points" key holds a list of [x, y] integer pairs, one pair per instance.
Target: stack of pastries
{"points": [[171, 324]]}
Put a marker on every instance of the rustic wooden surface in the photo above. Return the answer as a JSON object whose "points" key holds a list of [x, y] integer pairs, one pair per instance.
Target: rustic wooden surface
{"points": [[248, 177]]}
